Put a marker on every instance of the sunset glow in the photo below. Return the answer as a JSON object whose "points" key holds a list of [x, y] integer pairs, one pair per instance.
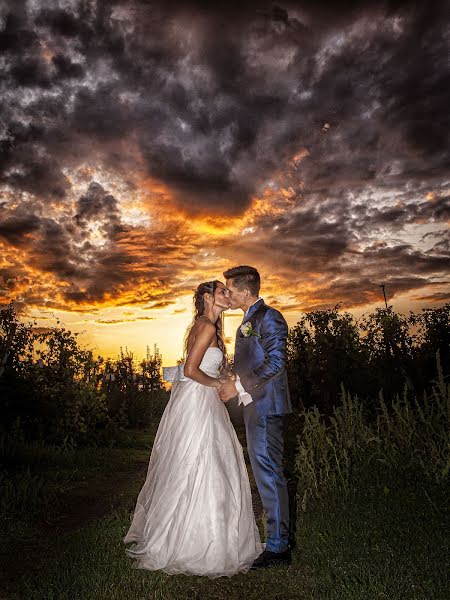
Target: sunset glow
{"points": [[146, 149]]}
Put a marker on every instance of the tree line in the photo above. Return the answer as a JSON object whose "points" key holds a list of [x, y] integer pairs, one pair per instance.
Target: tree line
{"points": [[383, 350], [54, 391]]}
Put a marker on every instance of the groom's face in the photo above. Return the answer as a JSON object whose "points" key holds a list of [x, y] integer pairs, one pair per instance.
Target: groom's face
{"points": [[237, 298]]}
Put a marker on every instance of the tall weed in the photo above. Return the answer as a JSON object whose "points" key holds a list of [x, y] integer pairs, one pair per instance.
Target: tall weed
{"points": [[409, 435]]}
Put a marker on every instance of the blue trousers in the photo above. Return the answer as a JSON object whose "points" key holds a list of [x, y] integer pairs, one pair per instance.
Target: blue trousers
{"points": [[265, 449]]}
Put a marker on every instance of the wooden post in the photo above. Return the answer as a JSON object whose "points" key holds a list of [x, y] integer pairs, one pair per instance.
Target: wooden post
{"points": [[384, 294]]}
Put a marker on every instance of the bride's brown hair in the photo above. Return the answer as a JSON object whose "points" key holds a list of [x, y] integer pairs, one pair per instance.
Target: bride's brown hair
{"points": [[209, 287]]}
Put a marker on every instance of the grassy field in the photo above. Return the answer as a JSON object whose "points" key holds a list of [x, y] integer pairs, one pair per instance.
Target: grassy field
{"points": [[47, 493], [375, 545], [385, 539]]}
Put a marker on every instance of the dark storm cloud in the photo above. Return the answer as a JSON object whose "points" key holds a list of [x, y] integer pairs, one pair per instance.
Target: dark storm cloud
{"points": [[54, 242], [219, 99], [88, 255], [341, 253], [99, 207], [438, 297], [15, 228], [397, 216], [347, 103]]}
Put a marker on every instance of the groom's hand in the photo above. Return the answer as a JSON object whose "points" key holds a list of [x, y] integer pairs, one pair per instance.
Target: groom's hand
{"points": [[228, 391]]}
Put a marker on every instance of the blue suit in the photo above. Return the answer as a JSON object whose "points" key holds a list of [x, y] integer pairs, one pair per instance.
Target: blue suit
{"points": [[260, 363]]}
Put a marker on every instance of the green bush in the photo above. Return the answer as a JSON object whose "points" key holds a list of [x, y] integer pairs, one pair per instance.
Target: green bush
{"points": [[382, 350], [146, 408], [54, 391], [405, 435]]}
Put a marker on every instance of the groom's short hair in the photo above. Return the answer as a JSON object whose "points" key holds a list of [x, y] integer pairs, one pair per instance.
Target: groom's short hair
{"points": [[245, 278]]}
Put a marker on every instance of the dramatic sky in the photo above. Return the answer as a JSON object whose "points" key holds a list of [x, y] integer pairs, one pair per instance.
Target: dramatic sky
{"points": [[147, 146]]}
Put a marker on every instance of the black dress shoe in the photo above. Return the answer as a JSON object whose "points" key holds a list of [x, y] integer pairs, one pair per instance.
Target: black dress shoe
{"points": [[272, 559]]}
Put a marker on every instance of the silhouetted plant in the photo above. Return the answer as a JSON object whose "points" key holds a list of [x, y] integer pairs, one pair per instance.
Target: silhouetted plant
{"points": [[382, 351], [324, 350], [406, 435], [432, 334], [51, 389]]}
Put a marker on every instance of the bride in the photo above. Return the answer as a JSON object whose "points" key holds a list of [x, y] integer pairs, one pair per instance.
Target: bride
{"points": [[194, 513]]}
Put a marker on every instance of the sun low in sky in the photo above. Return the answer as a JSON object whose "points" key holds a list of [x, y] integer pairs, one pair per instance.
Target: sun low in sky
{"points": [[145, 148]]}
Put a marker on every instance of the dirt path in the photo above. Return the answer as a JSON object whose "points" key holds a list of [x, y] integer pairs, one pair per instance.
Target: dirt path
{"points": [[40, 542], [95, 498]]}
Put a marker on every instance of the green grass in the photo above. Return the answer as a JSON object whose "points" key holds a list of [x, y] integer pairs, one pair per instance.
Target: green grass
{"points": [[385, 539], [34, 477], [46, 492], [93, 566], [381, 541]]}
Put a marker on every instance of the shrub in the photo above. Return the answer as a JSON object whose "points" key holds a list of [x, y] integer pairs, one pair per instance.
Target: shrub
{"points": [[382, 350], [406, 435], [54, 391]]}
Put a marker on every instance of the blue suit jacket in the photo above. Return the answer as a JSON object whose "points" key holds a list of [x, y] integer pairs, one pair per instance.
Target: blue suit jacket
{"points": [[260, 362]]}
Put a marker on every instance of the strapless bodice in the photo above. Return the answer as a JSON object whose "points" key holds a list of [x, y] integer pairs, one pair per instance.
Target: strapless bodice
{"points": [[210, 364], [211, 361]]}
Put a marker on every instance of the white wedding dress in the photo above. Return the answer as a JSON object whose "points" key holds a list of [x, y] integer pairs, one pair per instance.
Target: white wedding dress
{"points": [[194, 513]]}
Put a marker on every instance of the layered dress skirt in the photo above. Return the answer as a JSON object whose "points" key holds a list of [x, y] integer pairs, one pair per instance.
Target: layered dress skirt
{"points": [[194, 512]]}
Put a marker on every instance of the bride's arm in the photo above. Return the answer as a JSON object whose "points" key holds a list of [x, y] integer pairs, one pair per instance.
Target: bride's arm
{"points": [[203, 338]]}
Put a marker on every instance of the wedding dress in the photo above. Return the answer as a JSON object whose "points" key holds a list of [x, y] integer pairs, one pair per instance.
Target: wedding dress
{"points": [[194, 513]]}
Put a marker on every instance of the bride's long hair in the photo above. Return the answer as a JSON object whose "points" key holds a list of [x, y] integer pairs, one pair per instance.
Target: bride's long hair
{"points": [[209, 287]]}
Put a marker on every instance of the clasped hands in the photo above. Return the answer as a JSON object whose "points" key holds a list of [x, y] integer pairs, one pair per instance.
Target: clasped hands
{"points": [[228, 388]]}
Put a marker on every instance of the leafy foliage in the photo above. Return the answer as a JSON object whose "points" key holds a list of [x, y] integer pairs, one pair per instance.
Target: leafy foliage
{"points": [[53, 390], [382, 351], [406, 435]]}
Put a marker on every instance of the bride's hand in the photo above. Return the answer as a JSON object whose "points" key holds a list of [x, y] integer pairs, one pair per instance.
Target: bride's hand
{"points": [[219, 384]]}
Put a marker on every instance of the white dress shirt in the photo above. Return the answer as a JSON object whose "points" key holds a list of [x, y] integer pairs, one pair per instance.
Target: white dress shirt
{"points": [[244, 397]]}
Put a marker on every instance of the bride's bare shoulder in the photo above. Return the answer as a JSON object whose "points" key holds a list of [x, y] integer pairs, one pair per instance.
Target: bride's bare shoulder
{"points": [[201, 327]]}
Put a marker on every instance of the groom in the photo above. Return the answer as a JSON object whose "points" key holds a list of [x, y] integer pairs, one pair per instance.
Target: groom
{"points": [[261, 383]]}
